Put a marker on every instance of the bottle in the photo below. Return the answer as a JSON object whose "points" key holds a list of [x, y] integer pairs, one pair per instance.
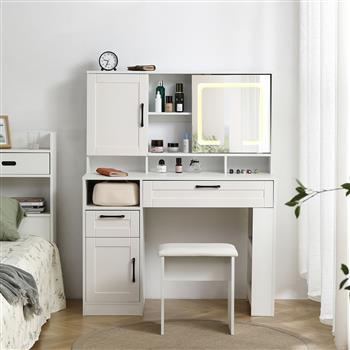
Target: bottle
{"points": [[186, 144], [161, 167], [158, 103], [179, 98], [161, 89], [168, 104], [178, 167]]}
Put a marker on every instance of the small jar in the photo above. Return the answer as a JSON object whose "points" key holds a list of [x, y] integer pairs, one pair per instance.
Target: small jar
{"points": [[157, 146], [161, 167], [168, 104], [178, 167], [173, 147]]}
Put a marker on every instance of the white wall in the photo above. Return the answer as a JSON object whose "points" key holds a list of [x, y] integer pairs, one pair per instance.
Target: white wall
{"points": [[47, 47]]}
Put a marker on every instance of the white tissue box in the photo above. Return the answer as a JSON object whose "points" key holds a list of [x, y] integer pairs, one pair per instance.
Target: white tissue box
{"points": [[116, 194]]}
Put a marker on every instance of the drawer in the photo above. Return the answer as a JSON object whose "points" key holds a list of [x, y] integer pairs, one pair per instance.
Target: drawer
{"points": [[24, 163], [112, 224], [208, 194]]}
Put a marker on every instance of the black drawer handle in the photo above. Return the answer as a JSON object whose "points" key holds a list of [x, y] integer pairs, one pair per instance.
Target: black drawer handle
{"points": [[208, 186], [133, 270], [112, 216], [8, 163], [142, 123]]}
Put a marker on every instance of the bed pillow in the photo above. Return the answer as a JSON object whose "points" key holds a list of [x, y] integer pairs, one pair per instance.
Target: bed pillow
{"points": [[11, 215]]}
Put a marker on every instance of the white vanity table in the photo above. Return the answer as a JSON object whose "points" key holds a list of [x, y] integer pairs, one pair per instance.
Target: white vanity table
{"points": [[120, 125]]}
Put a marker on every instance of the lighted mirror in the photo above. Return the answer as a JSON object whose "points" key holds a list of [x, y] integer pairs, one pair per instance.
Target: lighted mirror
{"points": [[231, 113]]}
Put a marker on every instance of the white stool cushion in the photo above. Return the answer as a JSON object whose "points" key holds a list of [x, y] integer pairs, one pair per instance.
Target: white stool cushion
{"points": [[197, 249]]}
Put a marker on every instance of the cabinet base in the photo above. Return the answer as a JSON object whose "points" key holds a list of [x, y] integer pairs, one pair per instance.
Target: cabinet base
{"points": [[113, 309]]}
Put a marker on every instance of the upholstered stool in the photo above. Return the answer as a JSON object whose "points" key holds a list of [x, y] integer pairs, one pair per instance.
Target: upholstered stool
{"points": [[199, 262]]}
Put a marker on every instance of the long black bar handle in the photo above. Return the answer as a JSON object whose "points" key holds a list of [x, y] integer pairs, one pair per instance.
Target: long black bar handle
{"points": [[208, 186], [142, 123], [8, 163], [112, 216], [133, 270]]}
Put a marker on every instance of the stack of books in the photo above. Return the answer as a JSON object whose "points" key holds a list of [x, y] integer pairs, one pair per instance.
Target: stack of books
{"points": [[32, 205]]}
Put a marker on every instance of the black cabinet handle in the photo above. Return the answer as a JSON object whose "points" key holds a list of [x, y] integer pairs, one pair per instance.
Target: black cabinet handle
{"points": [[133, 270], [208, 186], [142, 123], [8, 163], [112, 216]]}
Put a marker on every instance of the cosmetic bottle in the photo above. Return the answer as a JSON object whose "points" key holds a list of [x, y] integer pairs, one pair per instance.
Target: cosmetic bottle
{"points": [[186, 144], [161, 167], [161, 89], [158, 103], [169, 104], [178, 167], [179, 98], [173, 147], [195, 166]]}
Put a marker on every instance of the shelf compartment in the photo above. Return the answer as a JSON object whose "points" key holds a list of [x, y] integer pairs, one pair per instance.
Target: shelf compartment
{"points": [[169, 114]]}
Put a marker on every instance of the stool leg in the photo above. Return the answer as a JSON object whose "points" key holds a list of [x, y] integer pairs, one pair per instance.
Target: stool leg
{"points": [[231, 297], [162, 296]]}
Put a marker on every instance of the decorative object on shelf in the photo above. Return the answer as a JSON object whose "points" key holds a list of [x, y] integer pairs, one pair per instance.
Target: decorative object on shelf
{"points": [[33, 139], [5, 139], [195, 166], [173, 147], [178, 166], [108, 61], [115, 194], [111, 172], [157, 146], [244, 171], [32, 205], [158, 103], [161, 89], [161, 167], [179, 98], [143, 67], [168, 104], [186, 144]]}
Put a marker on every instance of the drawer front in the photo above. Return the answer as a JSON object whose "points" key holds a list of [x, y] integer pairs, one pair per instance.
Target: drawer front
{"points": [[208, 194], [112, 224], [24, 163]]}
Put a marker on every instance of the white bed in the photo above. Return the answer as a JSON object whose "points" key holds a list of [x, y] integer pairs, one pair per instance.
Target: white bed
{"points": [[40, 258]]}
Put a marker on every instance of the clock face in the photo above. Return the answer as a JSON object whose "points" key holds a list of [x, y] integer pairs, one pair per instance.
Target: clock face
{"points": [[108, 60]]}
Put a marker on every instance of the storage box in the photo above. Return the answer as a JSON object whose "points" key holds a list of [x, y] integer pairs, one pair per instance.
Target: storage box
{"points": [[116, 194]]}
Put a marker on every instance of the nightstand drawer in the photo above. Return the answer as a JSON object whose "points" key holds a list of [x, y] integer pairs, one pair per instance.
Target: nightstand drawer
{"points": [[12, 163]]}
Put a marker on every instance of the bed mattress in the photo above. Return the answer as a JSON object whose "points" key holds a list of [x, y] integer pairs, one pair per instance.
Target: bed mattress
{"points": [[41, 259]]}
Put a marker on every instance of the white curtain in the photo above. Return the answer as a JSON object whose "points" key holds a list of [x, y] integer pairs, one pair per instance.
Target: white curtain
{"points": [[325, 156], [318, 72]]}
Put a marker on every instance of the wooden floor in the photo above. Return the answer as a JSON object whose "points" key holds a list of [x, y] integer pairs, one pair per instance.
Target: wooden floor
{"points": [[297, 316]]}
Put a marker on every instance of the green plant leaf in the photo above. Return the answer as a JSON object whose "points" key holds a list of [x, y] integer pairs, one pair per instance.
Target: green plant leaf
{"points": [[345, 269], [347, 288], [291, 204], [346, 186], [297, 211], [347, 193], [342, 283], [300, 190], [298, 197], [300, 184]]}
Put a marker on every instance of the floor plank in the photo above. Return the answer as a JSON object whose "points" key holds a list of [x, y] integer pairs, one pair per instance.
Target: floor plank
{"points": [[298, 316]]}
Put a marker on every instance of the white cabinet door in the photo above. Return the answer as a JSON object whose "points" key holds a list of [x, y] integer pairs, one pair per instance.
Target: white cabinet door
{"points": [[117, 110], [231, 113], [112, 270]]}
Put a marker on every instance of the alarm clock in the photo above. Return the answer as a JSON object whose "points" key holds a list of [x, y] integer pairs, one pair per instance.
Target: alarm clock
{"points": [[108, 61]]}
